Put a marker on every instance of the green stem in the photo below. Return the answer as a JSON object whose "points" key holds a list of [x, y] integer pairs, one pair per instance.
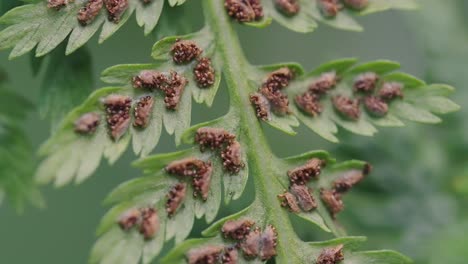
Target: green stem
{"points": [[234, 69], [261, 159]]}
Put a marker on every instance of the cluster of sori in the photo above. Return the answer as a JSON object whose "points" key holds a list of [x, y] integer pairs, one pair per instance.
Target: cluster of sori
{"points": [[87, 14], [269, 97], [218, 139], [365, 90], [244, 10], [332, 255], [183, 52], [308, 101], [332, 196], [330, 8], [171, 84], [288, 7], [299, 196], [145, 219], [191, 169], [239, 235], [252, 10]]}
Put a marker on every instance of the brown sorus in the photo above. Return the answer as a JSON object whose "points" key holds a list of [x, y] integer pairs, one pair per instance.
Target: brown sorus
{"points": [[187, 167], [115, 9], [149, 223], [257, 8], [278, 79], [289, 201], [329, 8], [202, 180], [184, 51], [350, 178], [309, 103], [279, 102], [129, 219], [230, 256], [331, 255], [174, 90], [288, 7], [271, 87], [89, 12], [213, 138], [175, 197], [261, 105], [391, 90], [251, 245], [205, 255], [302, 174], [244, 10], [142, 111], [204, 73], [146, 1], [269, 242], [365, 82], [151, 79], [347, 107], [118, 114], [232, 158], [325, 82], [332, 200], [87, 123], [58, 4], [237, 229], [356, 4], [241, 10], [375, 106], [303, 196]]}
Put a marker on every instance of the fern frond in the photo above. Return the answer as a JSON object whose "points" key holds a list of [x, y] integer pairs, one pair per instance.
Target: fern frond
{"points": [[152, 190], [36, 25], [159, 207], [303, 252], [322, 181], [419, 101], [64, 151], [310, 15]]}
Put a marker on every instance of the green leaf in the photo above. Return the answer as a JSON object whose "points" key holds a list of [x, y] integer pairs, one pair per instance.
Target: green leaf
{"points": [[63, 152], [35, 25], [420, 102], [153, 189], [381, 5], [176, 2], [306, 20]]}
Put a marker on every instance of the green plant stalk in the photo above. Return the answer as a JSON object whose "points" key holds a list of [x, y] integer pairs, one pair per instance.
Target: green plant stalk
{"points": [[259, 153]]}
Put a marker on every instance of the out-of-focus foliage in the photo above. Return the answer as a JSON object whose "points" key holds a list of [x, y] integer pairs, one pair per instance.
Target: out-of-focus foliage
{"points": [[67, 82], [17, 163], [422, 188]]}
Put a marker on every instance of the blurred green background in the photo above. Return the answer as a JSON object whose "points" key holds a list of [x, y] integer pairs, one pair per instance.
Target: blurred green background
{"points": [[415, 200]]}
